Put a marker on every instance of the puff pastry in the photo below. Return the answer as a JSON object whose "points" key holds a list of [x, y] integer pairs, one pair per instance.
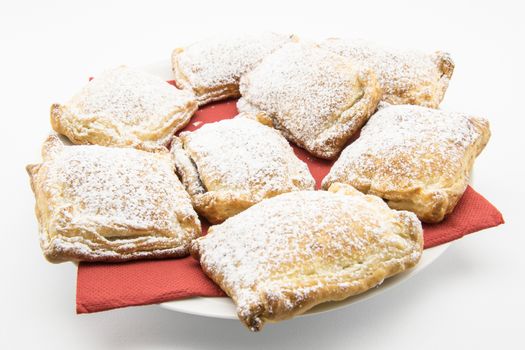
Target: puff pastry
{"points": [[316, 98], [212, 68], [232, 164], [416, 158], [406, 77], [97, 203], [289, 253], [124, 107]]}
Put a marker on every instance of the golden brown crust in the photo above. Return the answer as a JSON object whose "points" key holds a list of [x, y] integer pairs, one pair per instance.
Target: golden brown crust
{"points": [[124, 108], [417, 159], [406, 77], [204, 95], [110, 204], [289, 253], [425, 92], [316, 98], [233, 164], [212, 68], [217, 207]]}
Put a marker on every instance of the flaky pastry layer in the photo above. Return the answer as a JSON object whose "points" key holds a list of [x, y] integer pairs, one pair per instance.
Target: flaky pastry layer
{"points": [[316, 98], [97, 203], [289, 253], [416, 158], [212, 68], [230, 165], [124, 107], [406, 77]]}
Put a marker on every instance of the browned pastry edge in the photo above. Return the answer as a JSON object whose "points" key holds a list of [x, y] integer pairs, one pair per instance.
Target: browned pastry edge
{"points": [[92, 130], [272, 310], [431, 205], [206, 95], [203, 95], [423, 92], [90, 246], [215, 206], [330, 142], [420, 94], [255, 318]]}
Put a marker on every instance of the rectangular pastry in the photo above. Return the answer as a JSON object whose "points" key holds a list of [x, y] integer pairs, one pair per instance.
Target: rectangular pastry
{"points": [[316, 98], [212, 68], [289, 253], [97, 203], [416, 158], [124, 107], [406, 77], [232, 164]]}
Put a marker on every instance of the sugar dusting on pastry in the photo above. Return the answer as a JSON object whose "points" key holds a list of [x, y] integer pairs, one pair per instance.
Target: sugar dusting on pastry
{"points": [[406, 152], [130, 96], [220, 61], [305, 90], [116, 186], [105, 202], [230, 165], [288, 253], [407, 77], [407, 144], [243, 155], [124, 106]]}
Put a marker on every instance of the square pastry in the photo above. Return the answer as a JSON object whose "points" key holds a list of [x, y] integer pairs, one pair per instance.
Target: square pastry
{"points": [[124, 107], [212, 68], [97, 203], [289, 253], [416, 158], [406, 77], [316, 98], [232, 164]]}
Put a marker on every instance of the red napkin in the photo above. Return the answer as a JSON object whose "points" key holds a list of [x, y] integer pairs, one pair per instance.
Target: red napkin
{"points": [[108, 286]]}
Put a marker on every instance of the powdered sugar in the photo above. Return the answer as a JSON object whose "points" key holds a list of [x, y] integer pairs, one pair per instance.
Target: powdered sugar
{"points": [[127, 106], [118, 198], [304, 89], [405, 76], [130, 96], [222, 60], [117, 187], [404, 146], [247, 157], [286, 248]]}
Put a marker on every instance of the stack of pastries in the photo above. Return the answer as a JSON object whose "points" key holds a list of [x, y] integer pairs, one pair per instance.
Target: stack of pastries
{"points": [[121, 183]]}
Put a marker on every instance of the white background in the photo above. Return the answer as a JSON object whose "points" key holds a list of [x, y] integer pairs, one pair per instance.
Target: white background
{"points": [[472, 297]]}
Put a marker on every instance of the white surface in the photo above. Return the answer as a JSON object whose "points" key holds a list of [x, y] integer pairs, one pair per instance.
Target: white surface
{"points": [[472, 297]]}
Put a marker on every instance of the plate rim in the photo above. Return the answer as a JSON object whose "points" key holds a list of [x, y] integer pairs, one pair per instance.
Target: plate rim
{"points": [[196, 305]]}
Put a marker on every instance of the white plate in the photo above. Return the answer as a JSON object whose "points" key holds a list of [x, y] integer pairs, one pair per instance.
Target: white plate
{"points": [[223, 307]]}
